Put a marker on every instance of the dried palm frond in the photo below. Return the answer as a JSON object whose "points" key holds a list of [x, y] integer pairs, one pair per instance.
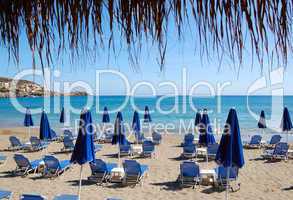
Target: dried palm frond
{"points": [[74, 24]]}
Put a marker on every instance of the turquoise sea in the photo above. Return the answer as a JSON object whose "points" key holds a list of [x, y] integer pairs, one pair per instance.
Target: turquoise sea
{"points": [[181, 110]]}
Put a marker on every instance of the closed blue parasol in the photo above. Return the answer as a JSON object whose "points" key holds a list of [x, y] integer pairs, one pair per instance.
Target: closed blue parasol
{"points": [[147, 116], [136, 126], [62, 116], [45, 130], [206, 133], [262, 120], [119, 137], [286, 123], [28, 121], [84, 149], [230, 151], [106, 117], [197, 118]]}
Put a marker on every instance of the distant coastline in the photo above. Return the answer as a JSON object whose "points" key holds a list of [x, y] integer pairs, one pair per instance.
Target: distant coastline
{"points": [[25, 88]]}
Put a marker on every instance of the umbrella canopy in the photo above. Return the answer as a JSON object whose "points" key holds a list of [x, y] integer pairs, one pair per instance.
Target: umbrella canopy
{"points": [[119, 130], [45, 130], [62, 116], [230, 151], [28, 121], [147, 116], [206, 133], [136, 124], [84, 149], [286, 123], [106, 117], [262, 120], [197, 119]]}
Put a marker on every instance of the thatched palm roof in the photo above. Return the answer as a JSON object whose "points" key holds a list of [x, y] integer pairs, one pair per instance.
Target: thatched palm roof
{"points": [[71, 24]]}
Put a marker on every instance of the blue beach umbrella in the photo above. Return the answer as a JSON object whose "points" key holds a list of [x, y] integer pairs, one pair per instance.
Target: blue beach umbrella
{"points": [[230, 151], [28, 121], [262, 120], [84, 149], [136, 125], [45, 130], [62, 116], [197, 120], [119, 130], [106, 117], [147, 116], [206, 133], [286, 123]]}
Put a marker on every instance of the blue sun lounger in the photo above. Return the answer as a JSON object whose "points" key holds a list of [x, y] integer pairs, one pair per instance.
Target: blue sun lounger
{"points": [[125, 149], [134, 172], [37, 144], [188, 139], [189, 151], [157, 138], [66, 197], [255, 142], [222, 175], [275, 139], [212, 150], [68, 133], [32, 197], [148, 148], [101, 171], [15, 144], [5, 194], [189, 174], [68, 144], [54, 167], [280, 152], [24, 166]]}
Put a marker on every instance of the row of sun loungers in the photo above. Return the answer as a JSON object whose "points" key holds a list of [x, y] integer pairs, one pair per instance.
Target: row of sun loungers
{"points": [[190, 174], [134, 172], [52, 166]]}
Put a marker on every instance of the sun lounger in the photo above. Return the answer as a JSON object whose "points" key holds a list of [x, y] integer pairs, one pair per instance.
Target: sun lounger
{"points": [[189, 174], [68, 144], [280, 152], [66, 197], [255, 142], [32, 197], [125, 150], [223, 178], [275, 139], [24, 166], [5, 194], [54, 167], [212, 150], [148, 148], [157, 138], [189, 151], [134, 172], [37, 144], [15, 144], [188, 139], [69, 134], [101, 171]]}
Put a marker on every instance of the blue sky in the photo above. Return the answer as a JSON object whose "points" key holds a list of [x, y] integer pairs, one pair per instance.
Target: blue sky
{"points": [[179, 54]]}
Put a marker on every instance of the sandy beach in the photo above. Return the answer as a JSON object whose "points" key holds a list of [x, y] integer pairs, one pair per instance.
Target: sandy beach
{"points": [[259, 179]]}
